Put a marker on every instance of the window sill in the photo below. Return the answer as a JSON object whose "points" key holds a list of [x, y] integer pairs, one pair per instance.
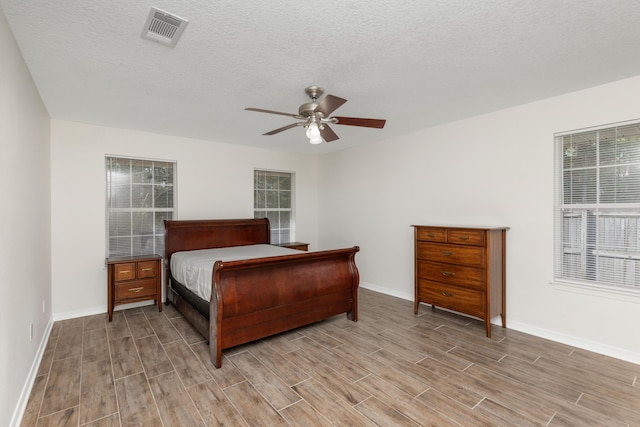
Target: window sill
{"points": [[594, 289]]}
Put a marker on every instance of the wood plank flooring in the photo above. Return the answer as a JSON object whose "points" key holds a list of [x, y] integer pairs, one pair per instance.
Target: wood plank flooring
{"points": [[391, 368]]}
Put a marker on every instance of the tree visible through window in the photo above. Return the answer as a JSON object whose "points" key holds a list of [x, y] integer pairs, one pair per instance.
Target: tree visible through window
{"points": [[140, 196], [272, 198], [597, 209]]}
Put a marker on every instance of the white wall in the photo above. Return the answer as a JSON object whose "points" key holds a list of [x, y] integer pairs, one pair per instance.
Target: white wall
{"points": [[25, 248], [214, 180], [495, 169]]}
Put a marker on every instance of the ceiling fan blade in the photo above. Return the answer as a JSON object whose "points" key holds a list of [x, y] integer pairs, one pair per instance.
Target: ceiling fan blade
{"points": [[355, 121], [260, 110], [292, 125], [329, 104], [328, 134]]}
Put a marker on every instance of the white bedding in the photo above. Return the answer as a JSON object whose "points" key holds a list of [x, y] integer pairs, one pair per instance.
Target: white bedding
{"points": [[194, 268]]}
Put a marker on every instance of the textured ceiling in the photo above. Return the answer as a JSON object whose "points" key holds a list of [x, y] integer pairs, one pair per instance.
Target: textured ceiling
{"points": [[414, 63]]}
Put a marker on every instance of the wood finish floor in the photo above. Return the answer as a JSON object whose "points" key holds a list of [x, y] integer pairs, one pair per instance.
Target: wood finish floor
{"points": [[391, 368]]}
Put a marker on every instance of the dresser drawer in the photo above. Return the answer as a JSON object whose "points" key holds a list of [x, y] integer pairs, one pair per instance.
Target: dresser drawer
{"points": [[432, 234], [125, 271], [466, 237], [452, 254], [468, 277], [146, 269], [137, 289], [452, 297]]}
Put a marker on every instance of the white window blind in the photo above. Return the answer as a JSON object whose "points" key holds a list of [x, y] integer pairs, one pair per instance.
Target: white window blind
{"points": [[140, 196], [597, 207], [273, 199]]}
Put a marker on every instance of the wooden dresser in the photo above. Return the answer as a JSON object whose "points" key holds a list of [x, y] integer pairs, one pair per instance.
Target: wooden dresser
{"points": [[462, 269], [132, 279]]}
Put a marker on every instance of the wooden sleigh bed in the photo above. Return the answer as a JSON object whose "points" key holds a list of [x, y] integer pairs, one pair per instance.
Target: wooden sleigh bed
{"points": [[255, 298]]}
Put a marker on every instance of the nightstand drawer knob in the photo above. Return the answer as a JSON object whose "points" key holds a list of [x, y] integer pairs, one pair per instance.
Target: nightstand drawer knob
{"points": [[447, 273], [447, 294], [446, 253], [125, 271], [136, 289]]}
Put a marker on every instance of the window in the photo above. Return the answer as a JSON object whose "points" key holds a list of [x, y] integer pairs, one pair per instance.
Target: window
{"points": [[140, 195], [272, 198], [597, 208]]}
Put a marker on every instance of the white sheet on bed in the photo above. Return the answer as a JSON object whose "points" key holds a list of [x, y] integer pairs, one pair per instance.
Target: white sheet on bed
{"points": [[194, 268]]}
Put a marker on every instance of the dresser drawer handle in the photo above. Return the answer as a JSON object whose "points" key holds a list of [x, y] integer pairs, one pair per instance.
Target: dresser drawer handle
{"points": [[447, 273], [447, 294], [147, 269], [136, 289], [464, 237], [125, 271], [446, 253], [431, 235]]}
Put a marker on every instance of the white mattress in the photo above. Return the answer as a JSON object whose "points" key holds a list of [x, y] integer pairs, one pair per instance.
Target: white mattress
{"points": [[194, 268]]}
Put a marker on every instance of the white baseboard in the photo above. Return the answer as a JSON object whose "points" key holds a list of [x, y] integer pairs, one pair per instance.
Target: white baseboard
{"points": [[584, 344], [18, 412], [387, 291], [573, 341], [96, 310]]}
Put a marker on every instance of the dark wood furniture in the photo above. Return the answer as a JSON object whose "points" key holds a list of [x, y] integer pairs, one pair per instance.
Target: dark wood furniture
{"points": [[255, 298], [133, 279], [462, 269], [294, 245]]}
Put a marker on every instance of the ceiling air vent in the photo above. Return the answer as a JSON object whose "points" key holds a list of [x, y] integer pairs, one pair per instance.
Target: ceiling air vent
{"points": [[163, 27]]}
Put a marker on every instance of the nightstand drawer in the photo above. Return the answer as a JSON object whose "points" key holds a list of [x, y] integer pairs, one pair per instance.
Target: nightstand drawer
{"points": [[125, 271], [146, 269], [136, 289]]}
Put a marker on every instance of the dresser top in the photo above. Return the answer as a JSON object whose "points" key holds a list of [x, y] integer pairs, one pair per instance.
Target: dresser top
{"points": [[466, 227]]}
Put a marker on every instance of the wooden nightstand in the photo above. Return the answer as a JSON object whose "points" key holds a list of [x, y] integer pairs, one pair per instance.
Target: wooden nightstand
{"points": [[294, 245], [133, 279]]}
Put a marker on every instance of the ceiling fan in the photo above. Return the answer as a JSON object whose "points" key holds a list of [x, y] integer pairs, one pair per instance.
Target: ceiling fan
{"points": [[316, 116]]}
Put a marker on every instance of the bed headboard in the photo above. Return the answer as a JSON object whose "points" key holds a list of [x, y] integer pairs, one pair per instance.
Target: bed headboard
{"points": [[191, 235]]}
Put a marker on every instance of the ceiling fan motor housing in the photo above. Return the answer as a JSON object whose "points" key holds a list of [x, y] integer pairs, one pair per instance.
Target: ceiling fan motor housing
{"points": [[308, 108]]}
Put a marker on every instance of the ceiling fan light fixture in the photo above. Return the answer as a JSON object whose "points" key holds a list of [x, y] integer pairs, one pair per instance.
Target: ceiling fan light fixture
{"points": [[313, 131], [316, 140]]}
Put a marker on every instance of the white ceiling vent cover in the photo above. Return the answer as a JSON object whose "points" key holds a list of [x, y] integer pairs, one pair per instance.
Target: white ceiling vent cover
{"points": [[163, 27]]}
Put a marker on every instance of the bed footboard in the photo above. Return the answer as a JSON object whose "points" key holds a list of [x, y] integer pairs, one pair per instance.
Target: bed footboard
{"points": [[252, 299]]}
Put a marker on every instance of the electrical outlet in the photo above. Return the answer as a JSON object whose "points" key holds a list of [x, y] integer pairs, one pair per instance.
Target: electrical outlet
{"points": [[31, 332]]}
